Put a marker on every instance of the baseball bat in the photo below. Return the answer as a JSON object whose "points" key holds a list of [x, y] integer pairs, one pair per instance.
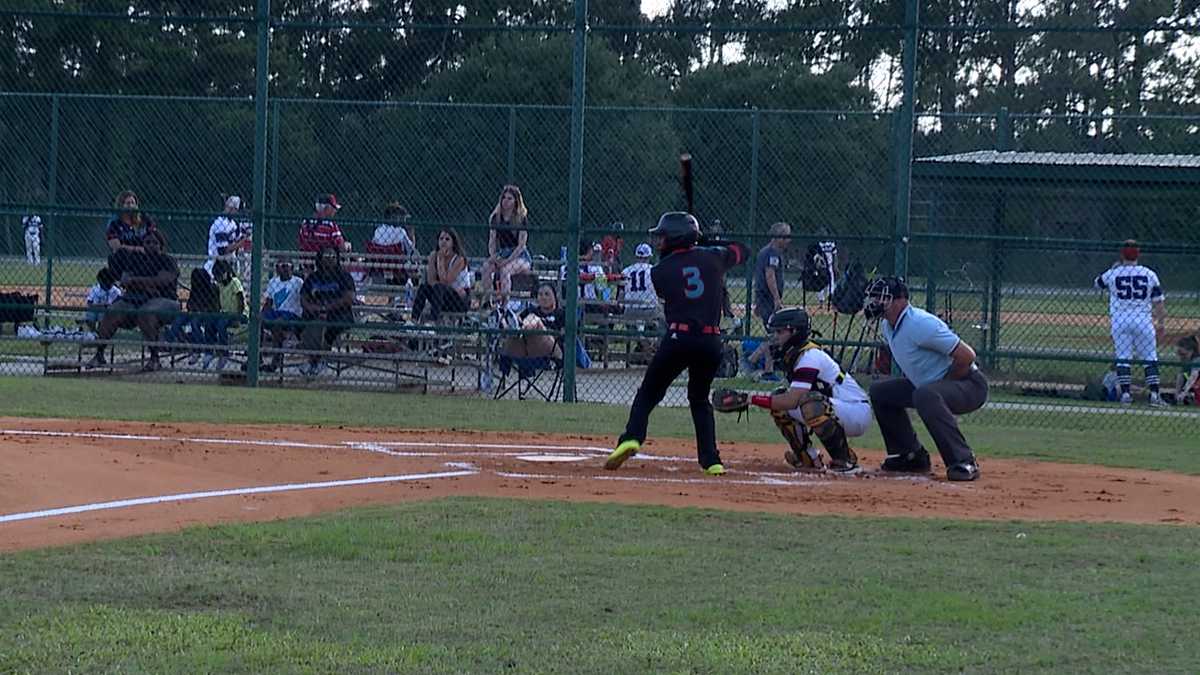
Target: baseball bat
{"points": [[685, 175]]}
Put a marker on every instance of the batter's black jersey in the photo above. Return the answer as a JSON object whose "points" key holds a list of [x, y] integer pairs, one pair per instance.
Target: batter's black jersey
{"points": [[691, 281]]}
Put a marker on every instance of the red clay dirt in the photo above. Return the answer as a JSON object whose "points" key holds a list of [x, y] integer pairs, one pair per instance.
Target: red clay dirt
{"points": [[85, 464]]}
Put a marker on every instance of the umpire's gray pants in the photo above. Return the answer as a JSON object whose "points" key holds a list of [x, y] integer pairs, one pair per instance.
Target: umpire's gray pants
{"points": [[937, 404]]}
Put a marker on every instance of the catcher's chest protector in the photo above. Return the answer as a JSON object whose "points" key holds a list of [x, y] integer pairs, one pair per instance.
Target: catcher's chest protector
{"points": [[793, 357]]}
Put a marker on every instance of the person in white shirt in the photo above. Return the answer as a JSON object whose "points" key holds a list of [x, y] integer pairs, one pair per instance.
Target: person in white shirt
{"points": [[32, 226], [593, 280], [821, 399], [394, 238], [104, 293], [224, 235], [281, 306], [1138, 316]]}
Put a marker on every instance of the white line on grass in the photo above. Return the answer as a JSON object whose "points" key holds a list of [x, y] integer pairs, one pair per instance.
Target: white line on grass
{"points": [[189, 496]]}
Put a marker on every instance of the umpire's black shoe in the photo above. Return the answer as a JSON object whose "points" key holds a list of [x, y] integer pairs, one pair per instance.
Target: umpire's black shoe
{"points": [[963, 471], [916, 461]]}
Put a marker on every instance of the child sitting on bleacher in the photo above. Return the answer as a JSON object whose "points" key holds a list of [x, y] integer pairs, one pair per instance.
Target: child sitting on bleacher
{"points": [[104, 293], [234, 311]]}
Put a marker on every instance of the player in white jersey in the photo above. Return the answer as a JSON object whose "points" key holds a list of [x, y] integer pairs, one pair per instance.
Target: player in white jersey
{"points": [[820, 400], [1138, 315], [33, 239], [824, 253], [638, 292], [224, 234]]}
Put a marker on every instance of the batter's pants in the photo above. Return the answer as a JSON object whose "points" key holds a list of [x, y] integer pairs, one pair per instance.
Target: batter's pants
{"points": [[937, 403], [700, 355]]}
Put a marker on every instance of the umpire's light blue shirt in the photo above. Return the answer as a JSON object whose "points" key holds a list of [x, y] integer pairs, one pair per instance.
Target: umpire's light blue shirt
{"points": [[921, 344]]}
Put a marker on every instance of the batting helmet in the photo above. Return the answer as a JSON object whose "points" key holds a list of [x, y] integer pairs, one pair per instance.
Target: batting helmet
{"points": [[677, 229]]}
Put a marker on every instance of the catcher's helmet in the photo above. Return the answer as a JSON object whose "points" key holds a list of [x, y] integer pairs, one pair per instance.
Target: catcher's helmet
{"points": [[794, 318], [677, 229]]}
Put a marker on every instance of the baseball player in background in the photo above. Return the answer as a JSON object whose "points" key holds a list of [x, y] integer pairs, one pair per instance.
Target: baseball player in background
{"points": [[638, 292], [33, 239], [224, 234], [689, 279], [1138, 316], [820, 400]]}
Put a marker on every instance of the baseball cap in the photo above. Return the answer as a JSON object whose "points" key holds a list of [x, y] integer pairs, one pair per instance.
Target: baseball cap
{"points": [[233, 202], [643, 251], [330, 199]]}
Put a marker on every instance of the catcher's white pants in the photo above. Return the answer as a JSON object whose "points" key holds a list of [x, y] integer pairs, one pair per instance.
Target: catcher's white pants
{"points": [[855, 416], [33, 249], [1134, 339]]}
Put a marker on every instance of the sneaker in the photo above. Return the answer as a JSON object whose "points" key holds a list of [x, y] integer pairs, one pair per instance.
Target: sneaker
{"points": [[803, 461], [963, 471], [1156, 401], [912, 462], [715, 470], [844, 468], [625, 450], [1126, 399]]}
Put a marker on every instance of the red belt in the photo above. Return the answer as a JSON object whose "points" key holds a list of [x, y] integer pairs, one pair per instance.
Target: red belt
{"points": [[685, 328]]}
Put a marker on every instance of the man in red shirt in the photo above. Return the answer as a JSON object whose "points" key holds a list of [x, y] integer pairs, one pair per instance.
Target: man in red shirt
{"points": [[320, 230]]}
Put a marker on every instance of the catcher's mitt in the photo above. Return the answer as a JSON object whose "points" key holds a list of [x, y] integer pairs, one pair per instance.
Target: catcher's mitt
{"points": [[730, 401]]}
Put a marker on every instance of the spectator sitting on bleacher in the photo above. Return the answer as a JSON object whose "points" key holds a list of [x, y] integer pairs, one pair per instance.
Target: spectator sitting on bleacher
{"points": [[148, 278], [447, 279], [545, 315], [234, 311], [507, 239], [327, 297], [129, 227], [593, 279], [320, 230], [103, 294], [281, 303], [203, 298], [394, 238]]}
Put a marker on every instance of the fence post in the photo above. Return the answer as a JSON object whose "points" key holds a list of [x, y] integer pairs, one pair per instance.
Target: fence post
{"points": [[931, 276], [755, 138], [575, 199], [904, 137], [994, 278], [1004, 130], [254, 354], [512, 143], [52, 194], [274, 158]]}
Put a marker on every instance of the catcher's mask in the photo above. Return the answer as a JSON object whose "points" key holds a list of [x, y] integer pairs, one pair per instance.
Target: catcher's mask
{"points": [[879, 296], [790, 327]]}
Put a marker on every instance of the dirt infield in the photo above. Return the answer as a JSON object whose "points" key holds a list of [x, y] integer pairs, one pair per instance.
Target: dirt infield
{"points": [[61, 480]]}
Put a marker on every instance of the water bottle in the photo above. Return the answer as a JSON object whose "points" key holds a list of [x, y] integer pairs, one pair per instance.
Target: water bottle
{"points": [[408, 293]]}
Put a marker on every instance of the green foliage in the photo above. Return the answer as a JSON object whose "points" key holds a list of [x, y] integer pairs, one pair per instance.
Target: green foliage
{"points": [[488, 585]]}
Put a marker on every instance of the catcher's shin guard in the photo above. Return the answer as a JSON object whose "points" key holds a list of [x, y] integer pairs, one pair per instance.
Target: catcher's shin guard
{"points": [[803, 454], [817, 411]]}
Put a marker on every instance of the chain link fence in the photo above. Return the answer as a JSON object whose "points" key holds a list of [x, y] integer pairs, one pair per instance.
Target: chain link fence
{"points": [[1008, 211]]}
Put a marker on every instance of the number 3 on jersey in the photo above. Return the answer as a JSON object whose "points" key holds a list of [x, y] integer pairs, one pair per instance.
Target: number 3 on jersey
{"points": [[693, 284]]}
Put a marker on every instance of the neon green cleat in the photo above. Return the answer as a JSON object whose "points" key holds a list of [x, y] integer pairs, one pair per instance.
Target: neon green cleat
{"points": [[625, 450], [715, 470]]}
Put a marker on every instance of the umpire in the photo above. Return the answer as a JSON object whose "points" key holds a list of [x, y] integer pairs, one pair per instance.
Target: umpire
{"points": [[940, 380], [689, 279]]}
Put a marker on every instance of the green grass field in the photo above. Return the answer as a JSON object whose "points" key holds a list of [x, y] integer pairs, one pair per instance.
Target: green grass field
{"points": [[469, 585]]}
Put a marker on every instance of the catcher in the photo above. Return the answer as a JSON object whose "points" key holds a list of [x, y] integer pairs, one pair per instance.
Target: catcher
{"points": [[820, 400]]}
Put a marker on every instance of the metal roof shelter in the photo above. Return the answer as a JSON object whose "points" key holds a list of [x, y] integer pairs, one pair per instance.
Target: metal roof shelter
{"points": [[1060, 166]]}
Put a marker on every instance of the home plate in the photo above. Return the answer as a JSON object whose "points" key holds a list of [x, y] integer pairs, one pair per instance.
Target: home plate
{"points": [[553, 458]]}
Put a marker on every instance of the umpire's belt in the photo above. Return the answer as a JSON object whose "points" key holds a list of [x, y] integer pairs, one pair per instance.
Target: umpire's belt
{"points": [[687, 328]]}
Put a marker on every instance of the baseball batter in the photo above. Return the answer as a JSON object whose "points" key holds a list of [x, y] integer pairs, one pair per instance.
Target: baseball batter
{"points": [[689, 279], [820, 400], [1136, 310]]}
